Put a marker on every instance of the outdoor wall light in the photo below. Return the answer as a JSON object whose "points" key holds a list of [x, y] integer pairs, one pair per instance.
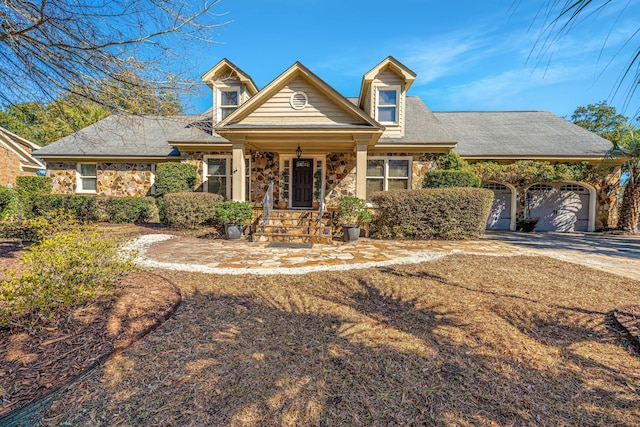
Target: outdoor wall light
{"points": [[299, 151]]}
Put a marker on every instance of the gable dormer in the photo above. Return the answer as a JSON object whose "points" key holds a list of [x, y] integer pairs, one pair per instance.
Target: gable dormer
{"points": [[383, 93], [231, 88]]}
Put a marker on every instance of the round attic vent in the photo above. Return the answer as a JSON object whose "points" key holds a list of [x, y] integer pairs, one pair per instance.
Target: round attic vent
{"points": [[299, 100]]}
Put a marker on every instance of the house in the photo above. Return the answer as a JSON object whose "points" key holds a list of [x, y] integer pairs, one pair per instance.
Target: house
{"points": [[314, 143], [16, 157]]}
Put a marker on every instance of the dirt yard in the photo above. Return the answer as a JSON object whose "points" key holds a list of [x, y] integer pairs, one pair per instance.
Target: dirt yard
{"points": [[461, 341]]}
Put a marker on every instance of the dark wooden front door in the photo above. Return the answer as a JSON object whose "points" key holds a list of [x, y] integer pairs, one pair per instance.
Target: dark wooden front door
{"points": [[302, 183]]}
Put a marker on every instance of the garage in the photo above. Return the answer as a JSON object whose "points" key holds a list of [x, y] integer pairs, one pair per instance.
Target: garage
{"points": [[564, 207], [500, 216]]}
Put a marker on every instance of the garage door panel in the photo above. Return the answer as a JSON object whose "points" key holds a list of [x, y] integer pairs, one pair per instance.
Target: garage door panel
{"points": [[563, 209], [500, 216]]}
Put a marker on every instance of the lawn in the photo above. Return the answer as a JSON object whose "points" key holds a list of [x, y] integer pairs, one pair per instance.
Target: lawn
{"points": [[461, 341]]}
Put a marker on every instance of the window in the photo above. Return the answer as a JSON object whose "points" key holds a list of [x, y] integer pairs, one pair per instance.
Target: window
{"points": [[218, 176], [87, 178], [387, 105], [388, 173], [228, 102]]}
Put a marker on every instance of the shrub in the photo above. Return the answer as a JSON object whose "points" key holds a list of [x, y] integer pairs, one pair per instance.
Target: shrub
{"points": [[40, 227], [450, 178], [352, 211], [125, 210], [83, 207], [28, 190], [7, 199], [175, 178], [231, 212], [190, 210], [63, 272], [451, 161], [440, 213]]}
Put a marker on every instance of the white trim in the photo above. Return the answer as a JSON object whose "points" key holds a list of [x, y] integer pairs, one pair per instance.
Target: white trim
{"points": [[80, 177], [293, 104], [229, 175], [398, 90], [152, 190], [386, 177], [220, 107]]}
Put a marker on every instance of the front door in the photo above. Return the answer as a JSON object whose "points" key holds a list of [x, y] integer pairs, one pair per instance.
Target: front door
{"points": [[302, 183]]}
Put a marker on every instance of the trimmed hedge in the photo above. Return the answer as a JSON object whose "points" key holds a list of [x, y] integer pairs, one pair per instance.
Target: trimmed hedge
{"points": [[175, 178], [190, 210], [117, 210], [7, 197], [450, 178], [435, 213]]}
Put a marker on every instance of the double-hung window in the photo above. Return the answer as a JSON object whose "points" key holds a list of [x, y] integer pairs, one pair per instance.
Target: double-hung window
{"points": [[228, 101], [388, 173], [387, 101], [218, 176], [87, 178]]}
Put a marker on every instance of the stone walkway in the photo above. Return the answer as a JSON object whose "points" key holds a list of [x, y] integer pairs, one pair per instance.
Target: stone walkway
{"points": [[618, 254]]}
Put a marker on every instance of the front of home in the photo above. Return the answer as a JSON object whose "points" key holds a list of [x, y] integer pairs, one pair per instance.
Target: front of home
{"points": [[315, 145]]}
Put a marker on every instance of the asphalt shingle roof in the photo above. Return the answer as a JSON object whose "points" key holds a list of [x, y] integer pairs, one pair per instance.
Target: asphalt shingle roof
{"points": [[122, 136], [520, 133]]}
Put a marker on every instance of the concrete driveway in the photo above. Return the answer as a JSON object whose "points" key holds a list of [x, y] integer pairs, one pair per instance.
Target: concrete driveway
{"points": [[618, 254]]}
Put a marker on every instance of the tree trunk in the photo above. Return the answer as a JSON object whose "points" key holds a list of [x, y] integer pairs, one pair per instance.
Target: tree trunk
{"points": [[630, 211]]}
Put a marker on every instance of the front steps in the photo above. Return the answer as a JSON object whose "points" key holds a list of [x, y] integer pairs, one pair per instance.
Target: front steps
{"points": [[298, 226]]}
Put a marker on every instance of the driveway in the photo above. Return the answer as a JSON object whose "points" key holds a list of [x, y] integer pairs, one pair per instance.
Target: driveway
{"points": [[618, 254]]}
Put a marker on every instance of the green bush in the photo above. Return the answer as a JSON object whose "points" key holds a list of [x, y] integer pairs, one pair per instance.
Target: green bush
{"points": [[352, 211], [83, 207], [40, 227], [435, 213], [63, 271], [125, 210], [450, 178], [7, 199], [451, 161], [231, 212], [190, 210], [28, 190], [175, 178]]}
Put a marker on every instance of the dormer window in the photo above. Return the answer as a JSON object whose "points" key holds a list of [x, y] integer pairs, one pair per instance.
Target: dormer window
{"points": [[387, 101], [228, 101]]}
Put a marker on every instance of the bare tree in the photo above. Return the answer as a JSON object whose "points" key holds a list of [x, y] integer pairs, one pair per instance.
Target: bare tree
{"points": [[52, 47], [559, 17]]}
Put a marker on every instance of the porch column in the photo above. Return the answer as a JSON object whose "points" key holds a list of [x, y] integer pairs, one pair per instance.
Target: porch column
{"points": [[361, 169], [238, 173]]}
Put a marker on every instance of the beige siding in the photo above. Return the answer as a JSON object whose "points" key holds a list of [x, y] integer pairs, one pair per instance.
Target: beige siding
{"points": [[389, 78], [320, 108]]}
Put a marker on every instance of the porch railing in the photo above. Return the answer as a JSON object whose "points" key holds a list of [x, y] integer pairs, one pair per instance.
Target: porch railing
{"points": [[267, 204]]}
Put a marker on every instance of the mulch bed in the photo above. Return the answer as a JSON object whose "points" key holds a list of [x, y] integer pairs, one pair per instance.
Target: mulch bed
{"points": [[628, 318], [35, 364]]}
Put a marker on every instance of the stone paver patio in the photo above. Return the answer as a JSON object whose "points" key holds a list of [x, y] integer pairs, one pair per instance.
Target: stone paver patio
{"points": [[618, 254]]}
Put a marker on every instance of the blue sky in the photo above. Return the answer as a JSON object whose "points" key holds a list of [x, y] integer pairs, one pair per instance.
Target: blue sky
{"points": [[468, 55]]}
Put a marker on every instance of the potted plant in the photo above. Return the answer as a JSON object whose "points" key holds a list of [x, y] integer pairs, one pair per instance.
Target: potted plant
{"points": [[284, 189], [352, 213], [235, 216], [317, 187]]}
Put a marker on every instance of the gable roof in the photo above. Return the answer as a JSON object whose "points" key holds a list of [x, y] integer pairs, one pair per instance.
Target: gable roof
{"points": [[394, 65], [225, 63], [296, 70], [520, 135], [22, 148], [126, 136]]}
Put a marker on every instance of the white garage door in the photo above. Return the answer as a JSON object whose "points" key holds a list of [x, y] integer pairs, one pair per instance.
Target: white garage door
{"points": [[500, 216], [565, 208]]}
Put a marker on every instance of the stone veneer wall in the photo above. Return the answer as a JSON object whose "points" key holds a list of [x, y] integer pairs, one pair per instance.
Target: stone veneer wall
{"points": [[340, 176], [113, 179], [63, 177], [124, 179], [264, 168]]}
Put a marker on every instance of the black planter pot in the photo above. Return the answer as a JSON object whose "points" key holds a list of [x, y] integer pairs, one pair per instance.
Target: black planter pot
{"points": [[233, 231], [351, 233]]}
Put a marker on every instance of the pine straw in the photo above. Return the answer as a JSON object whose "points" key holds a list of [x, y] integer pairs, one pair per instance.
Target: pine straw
{"points": [[465, 340]]}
